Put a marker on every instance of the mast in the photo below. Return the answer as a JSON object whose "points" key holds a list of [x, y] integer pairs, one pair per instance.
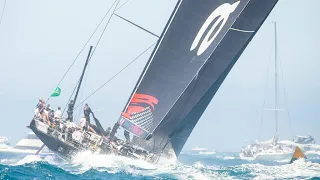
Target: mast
{"points": [[78, 88], [275, 78], [83, 71]]}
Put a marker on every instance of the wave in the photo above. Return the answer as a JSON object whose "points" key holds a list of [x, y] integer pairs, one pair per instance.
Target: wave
{"points": [[299, 168], [89, 166]]}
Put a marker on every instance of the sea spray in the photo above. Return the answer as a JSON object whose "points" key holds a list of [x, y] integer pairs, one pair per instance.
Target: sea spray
{"points": [[29, 159], [91, 166], [89, 160]]}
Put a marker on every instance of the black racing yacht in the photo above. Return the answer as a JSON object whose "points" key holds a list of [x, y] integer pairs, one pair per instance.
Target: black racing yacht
{"points": [[196, 50]]}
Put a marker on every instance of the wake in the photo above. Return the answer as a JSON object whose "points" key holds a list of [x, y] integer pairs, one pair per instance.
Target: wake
{"points": [[111, 165]]}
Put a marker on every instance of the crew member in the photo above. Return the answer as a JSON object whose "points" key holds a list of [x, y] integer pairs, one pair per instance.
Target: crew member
{"points": [[127, 136], [40, 107], [108, 131], [51, 116], [47, 110], [83, 123], [58, 120], [70, 111], [58, 114], [87, 111]]}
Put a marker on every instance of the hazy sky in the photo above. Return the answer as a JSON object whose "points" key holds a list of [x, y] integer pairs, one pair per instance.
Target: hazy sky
{"points": [[40, 39]]}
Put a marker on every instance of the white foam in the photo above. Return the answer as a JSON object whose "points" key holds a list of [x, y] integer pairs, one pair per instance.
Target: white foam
{"points": [[199, 170], [312, 153], [283, 161], [87, 160], [113, 164], [298, 168], [228, 157], [29, 159]]}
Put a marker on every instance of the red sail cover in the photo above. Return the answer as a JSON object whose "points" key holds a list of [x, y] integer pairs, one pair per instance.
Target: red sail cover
{"points": [[198, 47], [138, 117]]}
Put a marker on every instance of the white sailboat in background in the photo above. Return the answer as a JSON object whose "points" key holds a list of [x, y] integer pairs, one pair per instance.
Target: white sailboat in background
{"points": [[271, 149], [266, 151]]}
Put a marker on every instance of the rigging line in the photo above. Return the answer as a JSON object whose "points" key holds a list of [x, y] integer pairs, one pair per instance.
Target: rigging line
{"points": [[103, 31], [265, 95], [87, 41], [122, 5], [241, 30], [154, 143], [162, 149], [153, 52], [137, 26], [84, 46], [285, 95], [96, 48], [4, 6], [117, 73]]}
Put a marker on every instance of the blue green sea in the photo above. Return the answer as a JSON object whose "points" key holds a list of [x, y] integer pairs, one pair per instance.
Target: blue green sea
{"points": [[188, 166]]}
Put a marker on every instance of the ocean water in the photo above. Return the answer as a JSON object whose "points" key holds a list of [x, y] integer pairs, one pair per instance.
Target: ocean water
{"points": [[199, 167]]}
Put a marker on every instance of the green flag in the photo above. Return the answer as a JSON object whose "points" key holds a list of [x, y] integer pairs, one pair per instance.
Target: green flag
{"points": [[56, 92]]}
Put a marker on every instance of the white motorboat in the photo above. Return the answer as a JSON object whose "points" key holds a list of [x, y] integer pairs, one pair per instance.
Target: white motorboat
{"points": [[202, 151], [28, 145], [306, 143]]}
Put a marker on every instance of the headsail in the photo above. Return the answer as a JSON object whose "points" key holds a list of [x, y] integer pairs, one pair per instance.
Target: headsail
{"points": [[198, 48], [298, 154]]}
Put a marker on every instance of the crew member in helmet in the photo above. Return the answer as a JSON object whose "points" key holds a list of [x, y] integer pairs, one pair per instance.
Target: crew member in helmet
{"points": [[41, 107], [87, 111], [70, 110], [108, 131], [127, 136]]}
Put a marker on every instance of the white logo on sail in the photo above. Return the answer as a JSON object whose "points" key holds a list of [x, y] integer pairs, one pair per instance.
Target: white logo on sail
{"points": [[223, 12]]}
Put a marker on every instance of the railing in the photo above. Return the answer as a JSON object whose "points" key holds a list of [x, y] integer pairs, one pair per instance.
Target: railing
{"points": [[63, 132], [81, 139]]}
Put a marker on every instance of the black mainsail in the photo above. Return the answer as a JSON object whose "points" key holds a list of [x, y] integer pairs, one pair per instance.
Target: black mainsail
{"points": [[197, 49]]}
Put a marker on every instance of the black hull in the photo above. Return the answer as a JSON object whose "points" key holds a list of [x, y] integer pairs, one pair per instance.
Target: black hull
{"points": [[62, 149], [66, 149]]}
